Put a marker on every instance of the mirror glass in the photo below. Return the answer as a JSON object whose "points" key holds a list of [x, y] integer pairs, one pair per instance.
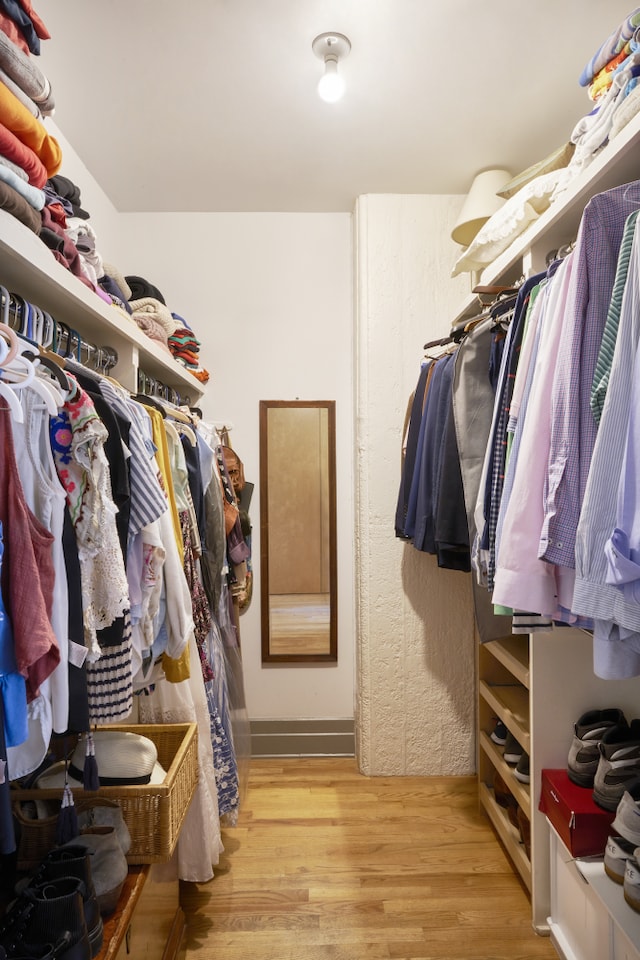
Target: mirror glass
{"points": [[298, 576]]}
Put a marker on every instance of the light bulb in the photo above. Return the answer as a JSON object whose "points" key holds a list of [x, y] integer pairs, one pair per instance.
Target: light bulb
{"points": [[331, 85]]}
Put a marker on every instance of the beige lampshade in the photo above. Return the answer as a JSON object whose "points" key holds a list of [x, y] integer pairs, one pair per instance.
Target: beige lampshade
{"points": [[480, 204]]}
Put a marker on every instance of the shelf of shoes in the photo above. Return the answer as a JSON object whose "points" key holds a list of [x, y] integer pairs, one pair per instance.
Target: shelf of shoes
{"points": [[503, 694]]}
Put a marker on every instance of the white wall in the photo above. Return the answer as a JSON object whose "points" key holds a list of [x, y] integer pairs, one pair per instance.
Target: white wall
{"points": [[416, 652], [270, 298], [104, 217]]}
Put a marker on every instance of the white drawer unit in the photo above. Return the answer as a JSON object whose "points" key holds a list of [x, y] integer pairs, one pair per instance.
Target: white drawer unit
{"points": [[589, 917]]}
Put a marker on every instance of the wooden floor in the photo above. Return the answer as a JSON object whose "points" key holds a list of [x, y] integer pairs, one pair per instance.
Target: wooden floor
{"points": [[326, 864]]}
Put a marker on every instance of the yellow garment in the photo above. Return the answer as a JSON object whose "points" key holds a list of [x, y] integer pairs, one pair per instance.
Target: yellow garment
{"points": [[164, 466], [29, 130], [177, 670]]}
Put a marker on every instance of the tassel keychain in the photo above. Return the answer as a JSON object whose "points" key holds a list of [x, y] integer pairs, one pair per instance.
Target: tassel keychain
{"points": [[67, 824], [90, 778]]}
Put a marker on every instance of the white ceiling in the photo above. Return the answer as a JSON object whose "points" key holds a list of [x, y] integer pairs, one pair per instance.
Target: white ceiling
{"points": [[211, 105]]}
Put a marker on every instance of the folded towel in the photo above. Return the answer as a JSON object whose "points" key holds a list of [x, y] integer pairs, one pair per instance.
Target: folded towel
{"points": [[32, 195], [26, 73], [19, 172], [15, 150], [29, 130], [13, 203], [152, 307], [150, 326]]}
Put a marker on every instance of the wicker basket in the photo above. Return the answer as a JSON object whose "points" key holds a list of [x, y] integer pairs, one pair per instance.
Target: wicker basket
{"points": [[153, 813]]}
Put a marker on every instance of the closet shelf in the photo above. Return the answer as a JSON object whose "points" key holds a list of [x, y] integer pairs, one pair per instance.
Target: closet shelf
{"points": [[520, 790], [28, 268], [510, 702], [507, 833], [617, 163], [513, 653]]}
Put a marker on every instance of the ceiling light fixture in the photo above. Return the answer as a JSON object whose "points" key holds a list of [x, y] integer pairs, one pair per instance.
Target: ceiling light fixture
{"points": [[331, 47]]}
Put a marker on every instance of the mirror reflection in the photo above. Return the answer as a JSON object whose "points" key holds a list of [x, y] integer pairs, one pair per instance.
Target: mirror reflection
{"points": [[298, 530]]}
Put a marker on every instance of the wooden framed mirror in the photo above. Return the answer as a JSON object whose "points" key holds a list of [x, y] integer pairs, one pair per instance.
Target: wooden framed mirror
{"points": [[298, 575]]}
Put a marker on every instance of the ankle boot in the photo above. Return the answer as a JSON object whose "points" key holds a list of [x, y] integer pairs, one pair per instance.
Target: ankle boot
{"points": [[47, 920], [73, 860]]}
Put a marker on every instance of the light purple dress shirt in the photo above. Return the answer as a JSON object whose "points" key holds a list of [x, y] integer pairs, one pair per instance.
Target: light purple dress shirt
{"points": [[573, 428]]}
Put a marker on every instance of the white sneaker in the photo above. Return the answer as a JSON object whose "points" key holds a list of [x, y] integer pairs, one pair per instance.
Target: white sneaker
{"points": [[616, 853], [632, 884], [627, 820]]}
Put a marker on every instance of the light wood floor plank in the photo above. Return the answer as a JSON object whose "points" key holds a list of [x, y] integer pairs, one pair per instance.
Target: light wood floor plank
{"points": [[326, 864]]}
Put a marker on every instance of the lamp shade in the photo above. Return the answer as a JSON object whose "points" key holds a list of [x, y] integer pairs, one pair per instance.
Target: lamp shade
{"points": [[481, 202]]}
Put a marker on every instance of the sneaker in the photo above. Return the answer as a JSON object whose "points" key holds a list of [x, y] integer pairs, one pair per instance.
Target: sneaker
{"points": [[618, 765], [512, 750], [631, 884], [588, 732], [521, 771], [616, 853], [499, 733], [627, 820]]}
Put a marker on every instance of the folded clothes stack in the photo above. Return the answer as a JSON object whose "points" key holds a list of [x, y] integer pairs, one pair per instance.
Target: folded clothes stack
{"points": [[28, 152], [151, 313], [612, 79]]}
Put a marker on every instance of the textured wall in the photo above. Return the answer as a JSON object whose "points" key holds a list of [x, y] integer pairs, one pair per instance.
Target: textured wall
{"points": [[415, 653]]}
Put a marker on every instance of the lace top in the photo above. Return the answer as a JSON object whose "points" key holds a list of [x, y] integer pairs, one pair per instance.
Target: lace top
{"points": [[77, 438]]}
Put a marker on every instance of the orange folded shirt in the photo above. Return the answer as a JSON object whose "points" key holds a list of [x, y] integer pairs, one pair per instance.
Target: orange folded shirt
{"points": [[30, 131]]}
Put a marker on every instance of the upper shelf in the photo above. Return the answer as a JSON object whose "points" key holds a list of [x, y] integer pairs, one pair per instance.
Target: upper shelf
{"points": [[28, 268], [617, 163]]}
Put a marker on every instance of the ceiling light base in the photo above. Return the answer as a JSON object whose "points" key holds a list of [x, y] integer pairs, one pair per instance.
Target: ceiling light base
{"points": [[332, 46]]}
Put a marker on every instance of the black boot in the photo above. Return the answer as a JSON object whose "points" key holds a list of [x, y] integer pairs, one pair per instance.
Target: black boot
{"points": [[74, 860], [47, 921]]}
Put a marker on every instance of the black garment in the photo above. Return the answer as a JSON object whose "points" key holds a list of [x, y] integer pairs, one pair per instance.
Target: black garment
{"points": [[78, 698], [68, 190], [192, 459], [142, 288], [451, 530], [409, 462]]}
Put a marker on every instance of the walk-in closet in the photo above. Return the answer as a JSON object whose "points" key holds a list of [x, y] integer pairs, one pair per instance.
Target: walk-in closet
{"points": [[319, 548]]}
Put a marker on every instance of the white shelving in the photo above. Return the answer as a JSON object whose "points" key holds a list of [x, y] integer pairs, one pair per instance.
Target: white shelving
{"points": [[617, 163], [28, 268]]}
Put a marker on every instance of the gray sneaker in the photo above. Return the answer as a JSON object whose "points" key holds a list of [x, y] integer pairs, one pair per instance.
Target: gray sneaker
{"points": [[588, 732], [618, 765], [512, 750]]}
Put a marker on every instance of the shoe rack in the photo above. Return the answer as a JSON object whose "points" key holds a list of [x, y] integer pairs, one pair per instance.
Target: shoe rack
{"points": [[503, 693], [538, 685]]}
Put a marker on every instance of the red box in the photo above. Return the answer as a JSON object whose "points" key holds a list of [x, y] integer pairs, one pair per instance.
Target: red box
{"points": [[582, 825]]}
